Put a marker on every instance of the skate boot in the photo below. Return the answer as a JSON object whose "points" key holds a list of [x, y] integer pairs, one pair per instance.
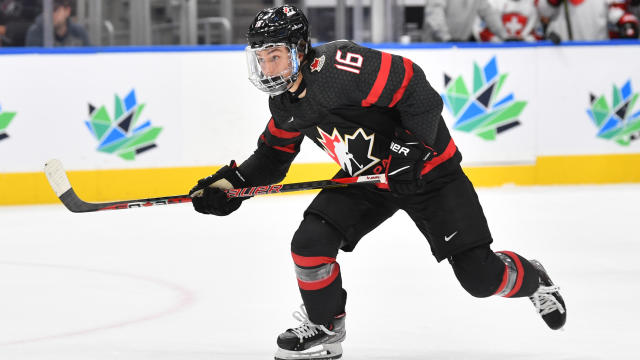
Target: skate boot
{"points": [[312, 341], [548, 301]]}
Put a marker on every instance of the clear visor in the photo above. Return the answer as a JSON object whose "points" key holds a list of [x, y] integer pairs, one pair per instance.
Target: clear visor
{"points": [[273, 68]]}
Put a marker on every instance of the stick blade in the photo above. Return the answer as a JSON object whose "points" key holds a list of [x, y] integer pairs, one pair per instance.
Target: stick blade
{"points": [[57, 176], [60, 184]]}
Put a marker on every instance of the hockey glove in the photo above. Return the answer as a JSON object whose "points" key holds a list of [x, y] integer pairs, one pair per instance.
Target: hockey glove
{"points": [[208, 196], [406, 161], [555, 3]]}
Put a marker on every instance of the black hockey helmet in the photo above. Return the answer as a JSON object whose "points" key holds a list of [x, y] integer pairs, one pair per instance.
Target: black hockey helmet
{"points": [[272, 30], [285, 24]]}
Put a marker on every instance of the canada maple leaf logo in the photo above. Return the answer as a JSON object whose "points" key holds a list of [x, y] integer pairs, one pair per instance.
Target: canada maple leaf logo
{"points": [[353, 153], [317, 64]]}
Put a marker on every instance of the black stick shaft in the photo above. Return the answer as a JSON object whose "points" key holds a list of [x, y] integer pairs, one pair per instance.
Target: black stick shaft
{"points": [[75, 204]]}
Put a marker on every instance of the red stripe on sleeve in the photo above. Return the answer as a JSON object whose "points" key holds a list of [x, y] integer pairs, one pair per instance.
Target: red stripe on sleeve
{"points": [[408, 74], [289, 148], [281, 133], [381, 81], [320, 284], [520, 270], [446, 155], [311, 261]]}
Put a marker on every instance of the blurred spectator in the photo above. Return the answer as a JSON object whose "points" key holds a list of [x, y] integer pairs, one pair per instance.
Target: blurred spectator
{"points": [[66, 33], [624, 24], [634, 7], [15, 18], [587, 20], [519, 18], [453, 20]]}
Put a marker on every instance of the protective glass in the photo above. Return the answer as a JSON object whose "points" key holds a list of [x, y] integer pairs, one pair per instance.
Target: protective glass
{"points": [[273, 68]]}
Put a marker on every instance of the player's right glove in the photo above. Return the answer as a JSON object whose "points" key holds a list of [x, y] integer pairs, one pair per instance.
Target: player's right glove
{"points": [[406, 161], [208, 196], [555, 3]]}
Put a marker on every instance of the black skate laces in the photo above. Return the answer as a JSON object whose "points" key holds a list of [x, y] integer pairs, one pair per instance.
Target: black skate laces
{"points": [[545, 302], [307, 328]]}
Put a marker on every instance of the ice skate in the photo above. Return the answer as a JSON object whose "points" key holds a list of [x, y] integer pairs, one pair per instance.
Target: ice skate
{"points": [[312, 341], [548, 301]]}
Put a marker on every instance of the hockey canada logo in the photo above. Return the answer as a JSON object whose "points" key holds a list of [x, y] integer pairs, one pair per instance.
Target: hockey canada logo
{"points": [[482, 112], [288, 10], [353, 153], [317, 64], [616, 123], [5, 120], [122, 135]]}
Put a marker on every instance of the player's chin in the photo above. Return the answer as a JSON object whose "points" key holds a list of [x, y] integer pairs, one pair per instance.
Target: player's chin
{"points": [[285, 74]]}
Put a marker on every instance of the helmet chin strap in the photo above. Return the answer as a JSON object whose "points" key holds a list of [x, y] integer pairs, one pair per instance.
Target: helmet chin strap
{"points": [[302, 86]]}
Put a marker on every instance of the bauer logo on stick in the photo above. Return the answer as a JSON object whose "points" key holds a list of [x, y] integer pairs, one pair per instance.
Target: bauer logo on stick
{"points": [[253, 191]]}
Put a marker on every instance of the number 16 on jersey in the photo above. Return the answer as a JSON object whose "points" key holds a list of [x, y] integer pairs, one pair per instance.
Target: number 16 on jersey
{"points": [[351, 62]]}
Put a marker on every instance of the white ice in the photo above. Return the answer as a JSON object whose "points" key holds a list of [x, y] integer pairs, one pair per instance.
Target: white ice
{"points": [[166, 283]]}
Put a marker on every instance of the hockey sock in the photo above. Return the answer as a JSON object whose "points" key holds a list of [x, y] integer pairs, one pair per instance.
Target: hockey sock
{"points": [[314, 249], [478, 270], [520, 278], [320, 285]]}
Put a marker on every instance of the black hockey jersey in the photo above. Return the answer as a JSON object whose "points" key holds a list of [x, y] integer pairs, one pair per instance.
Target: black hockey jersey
{"points": [[356, 98]]}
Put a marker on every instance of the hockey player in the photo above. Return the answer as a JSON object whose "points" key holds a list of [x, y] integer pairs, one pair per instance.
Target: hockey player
{"points": [[372, 112]]}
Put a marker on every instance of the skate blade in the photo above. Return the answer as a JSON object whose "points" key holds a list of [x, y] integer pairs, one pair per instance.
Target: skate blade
{"points": [[319, 352]]}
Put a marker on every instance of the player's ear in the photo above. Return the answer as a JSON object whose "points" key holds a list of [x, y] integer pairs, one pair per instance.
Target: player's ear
{"points": [[302, 48]]}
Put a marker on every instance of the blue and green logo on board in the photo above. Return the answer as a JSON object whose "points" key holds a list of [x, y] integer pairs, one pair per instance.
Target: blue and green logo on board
{"points": [[616, 122], [5, 119], [123, 134], [482, 111]]}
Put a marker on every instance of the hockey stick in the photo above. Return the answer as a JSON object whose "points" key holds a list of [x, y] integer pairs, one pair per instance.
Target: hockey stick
{"points": [[567, 18], [62, 187]]}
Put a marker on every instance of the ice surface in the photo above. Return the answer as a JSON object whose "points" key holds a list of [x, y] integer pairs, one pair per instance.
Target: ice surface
{"points": [[166, 283]]}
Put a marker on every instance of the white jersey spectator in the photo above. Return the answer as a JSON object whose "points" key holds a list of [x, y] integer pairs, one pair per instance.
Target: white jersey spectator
{"points": [[453, 20], [590, 19], [519, 19]]}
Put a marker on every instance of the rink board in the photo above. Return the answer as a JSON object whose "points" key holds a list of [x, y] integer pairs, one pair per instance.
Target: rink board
{"points": [[206, 113]]}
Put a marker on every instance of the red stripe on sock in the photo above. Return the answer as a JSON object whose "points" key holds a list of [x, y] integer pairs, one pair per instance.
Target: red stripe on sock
{"points": [[320, 284], [520, 270], [311, 260]]}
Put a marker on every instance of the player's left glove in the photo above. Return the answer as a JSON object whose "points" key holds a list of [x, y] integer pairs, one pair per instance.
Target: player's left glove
{"points": [[209, 197], [406, 161]]}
